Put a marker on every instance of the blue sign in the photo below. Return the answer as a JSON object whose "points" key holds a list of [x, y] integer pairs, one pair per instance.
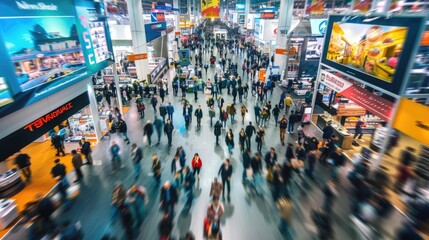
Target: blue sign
{"points": [[318, 26], [154, 30], [184, 57], [240, 6]]}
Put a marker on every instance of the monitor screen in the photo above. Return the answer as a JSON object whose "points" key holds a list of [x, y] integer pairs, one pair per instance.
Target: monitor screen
{"points": [[371, 49]]}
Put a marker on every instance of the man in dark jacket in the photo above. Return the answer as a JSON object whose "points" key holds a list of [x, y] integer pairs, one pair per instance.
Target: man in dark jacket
{"points": [[292, 120], [198, 114], [170, 111], [168, 198], [250, 130], [158, 123], [59, 170], [154, 102], [246, 163], [163, 112], [77, 164], [23, 163], [225, 172], [168, 130], [327, 133], [217, 131], [148, 131], [258, 111], [165, 226], [188, 183], [270, 159], [122, 125], [86, 151], [57, 141]]}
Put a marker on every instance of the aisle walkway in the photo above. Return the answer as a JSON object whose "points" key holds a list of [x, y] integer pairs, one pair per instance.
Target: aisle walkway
{"points": [[247, 217]]}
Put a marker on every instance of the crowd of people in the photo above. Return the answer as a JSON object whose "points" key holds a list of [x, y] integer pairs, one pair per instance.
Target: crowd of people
{"points": [[260, 167]]}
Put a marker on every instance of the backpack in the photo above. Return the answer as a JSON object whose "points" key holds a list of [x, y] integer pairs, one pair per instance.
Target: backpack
{"points": [[225, 115]]}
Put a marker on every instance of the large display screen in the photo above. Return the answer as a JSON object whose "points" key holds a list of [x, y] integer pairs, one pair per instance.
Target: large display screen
{"points": [[371, 49], [42, 49]]}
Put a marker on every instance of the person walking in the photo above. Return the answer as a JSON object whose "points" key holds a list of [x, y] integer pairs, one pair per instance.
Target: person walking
{"points": [[119, 195], [256, 165], [122, 125], [217, 131], [168, 198], [270, 160], [148, 131], [258, 111], [154, 102], [136, 157], [329, 193], [220, 102], [116, 159], [250, 130], [292, 121], [188, 183], [156, 168], [311, 161], [260, 134], [216, 188], [284, 205], [243, 113], [225, 171], [158, 123], [177, 169], [141, 107], [229, 140], [215, 211], [57, 141], [85, 149], [288, 103], [327, 132], [199, 115], [137, 199], [212, 114], [163, 112], [232, 112], [59, 170], [358, 128], [165, 226], [242, 140], [196, 164], [283, 125], [240, 91], [170, 111], [77, 164], [168, 130], [276, 113], [22, 160], [224, 117]]}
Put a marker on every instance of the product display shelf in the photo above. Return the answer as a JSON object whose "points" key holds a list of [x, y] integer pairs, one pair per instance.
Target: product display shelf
{"points": [[371, 125]]}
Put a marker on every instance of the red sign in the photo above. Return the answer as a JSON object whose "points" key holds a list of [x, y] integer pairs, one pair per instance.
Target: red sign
{"points": [[48, 117], [160, 17], [135, 57], [268, 15], [371, 102]]}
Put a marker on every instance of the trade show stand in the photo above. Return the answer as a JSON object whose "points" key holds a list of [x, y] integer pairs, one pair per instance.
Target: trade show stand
{"points": [[345, 139], [10, 183]]}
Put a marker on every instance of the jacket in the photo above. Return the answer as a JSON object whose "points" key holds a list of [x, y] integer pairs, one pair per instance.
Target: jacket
{"points": [[162, 110], [216, 188], [288, 101], [225, 173], [86, 148], [257, 110], [22, 160], [173, 165], [212, 113], [213, 211], [270, 162], [168, 128], [122, 126], [148, 129], [250, 129], [229, 141], [256, 165], [243, 110], [137, 155], [196, 163], [198, 113], [217, 128], [283, 123], [77, 160], [170, 109], [173, 195], [246, 160]]}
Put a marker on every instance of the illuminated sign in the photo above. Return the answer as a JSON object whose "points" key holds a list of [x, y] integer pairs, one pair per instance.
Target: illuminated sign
{"points": [[48, 117], [38, 6], [268, 15]]}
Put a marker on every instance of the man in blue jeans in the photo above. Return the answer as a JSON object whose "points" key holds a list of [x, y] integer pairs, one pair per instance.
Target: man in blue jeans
{"points": [[292, 120], [136, 156]]}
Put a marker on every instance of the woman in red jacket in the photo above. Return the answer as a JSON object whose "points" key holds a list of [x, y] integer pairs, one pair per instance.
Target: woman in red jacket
{"points": [[197, 163]]}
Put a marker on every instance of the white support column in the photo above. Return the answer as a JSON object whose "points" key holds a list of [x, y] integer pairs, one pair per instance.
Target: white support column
{"points": [[285, 21], [138, 35], [94, 111], [247, 10]]}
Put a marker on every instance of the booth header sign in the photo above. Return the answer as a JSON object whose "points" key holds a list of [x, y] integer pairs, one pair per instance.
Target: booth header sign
{"points": [[210, 8], [362, 97], [413, 119], [135, 57]]}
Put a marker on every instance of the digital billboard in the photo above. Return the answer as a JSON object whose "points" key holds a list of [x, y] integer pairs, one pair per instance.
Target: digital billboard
{"points": [[210, 8], [372, 50]]}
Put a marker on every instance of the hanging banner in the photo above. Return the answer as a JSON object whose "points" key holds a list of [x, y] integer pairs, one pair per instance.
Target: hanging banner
{"points": [[362, 6], [315, 6], [210, 8], [413, 119]]}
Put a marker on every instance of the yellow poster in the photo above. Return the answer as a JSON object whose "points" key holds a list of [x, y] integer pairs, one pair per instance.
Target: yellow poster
{"points": [[413, 119], [210, 8]]}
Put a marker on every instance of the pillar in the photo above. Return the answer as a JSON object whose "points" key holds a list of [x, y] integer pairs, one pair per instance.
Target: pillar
{"points": [[177, 22], [246, 10], [138, 34], [94, 111], [285, 20]]}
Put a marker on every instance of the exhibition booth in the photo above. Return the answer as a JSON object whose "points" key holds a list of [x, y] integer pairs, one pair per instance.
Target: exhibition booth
{"points": [[363, 81]]}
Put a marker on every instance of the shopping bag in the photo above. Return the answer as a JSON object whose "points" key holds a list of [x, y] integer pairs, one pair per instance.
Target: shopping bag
{"points": [[144, 139]]}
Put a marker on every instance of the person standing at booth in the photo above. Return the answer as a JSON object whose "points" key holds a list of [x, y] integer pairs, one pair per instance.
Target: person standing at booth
{"points": [[22, 160]]}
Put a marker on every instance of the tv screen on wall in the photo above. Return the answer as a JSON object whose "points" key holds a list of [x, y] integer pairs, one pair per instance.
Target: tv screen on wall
{"points": [[372, 50]]}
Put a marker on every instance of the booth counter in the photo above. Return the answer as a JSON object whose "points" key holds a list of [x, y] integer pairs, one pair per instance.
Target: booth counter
{"points": [[345, 139]]}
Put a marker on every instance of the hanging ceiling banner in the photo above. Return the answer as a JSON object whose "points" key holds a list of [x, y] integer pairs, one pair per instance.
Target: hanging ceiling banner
{"points": [[210, 8]]}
